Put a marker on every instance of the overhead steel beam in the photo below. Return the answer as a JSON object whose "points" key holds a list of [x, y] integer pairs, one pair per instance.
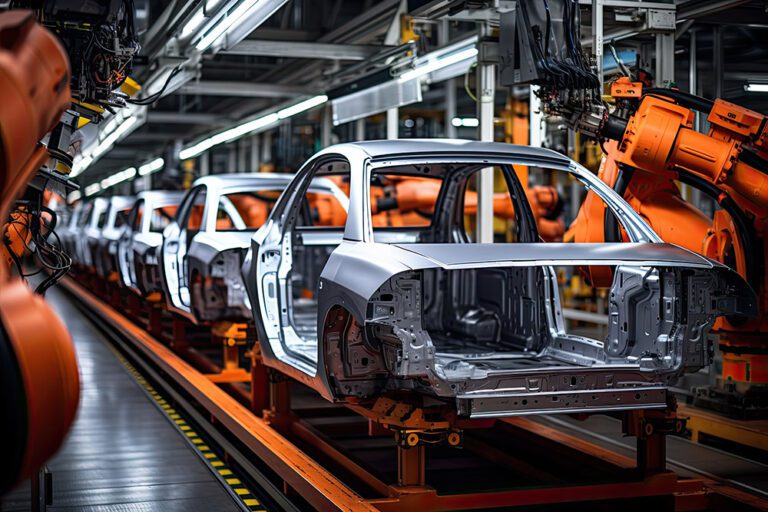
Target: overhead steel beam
{"points": [[186, 118], [243, 89], [303, 50], [703, 8]]}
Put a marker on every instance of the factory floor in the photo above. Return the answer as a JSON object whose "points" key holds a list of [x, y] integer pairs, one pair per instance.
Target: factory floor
{"points": [[122, 452]]}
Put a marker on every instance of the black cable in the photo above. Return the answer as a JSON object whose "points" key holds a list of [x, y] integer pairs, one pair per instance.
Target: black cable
{"points": [[153, 98]]}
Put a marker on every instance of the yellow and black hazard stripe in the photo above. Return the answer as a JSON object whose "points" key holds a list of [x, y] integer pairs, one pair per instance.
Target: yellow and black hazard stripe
{"points": [[238, 488]]}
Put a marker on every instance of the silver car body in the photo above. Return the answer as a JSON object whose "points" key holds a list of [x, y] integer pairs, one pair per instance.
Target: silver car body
{"points": [[211, 256], [68, 232], [388, 309], [91, 231], [103, 243], [139, 244]]}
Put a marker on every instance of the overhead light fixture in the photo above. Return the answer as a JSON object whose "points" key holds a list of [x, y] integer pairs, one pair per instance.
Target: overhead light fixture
{"points": [[301, 107], [438, 62], [224, 24], [468, 122], [93, 188], [756, 87], [112, 132], [154, 165], [193, 24], [118, 177], [238, 23], [74, 196], [250, 126]]}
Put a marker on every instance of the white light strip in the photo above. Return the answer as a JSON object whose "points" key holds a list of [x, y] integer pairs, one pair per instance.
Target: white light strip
{"points": [[118, 177], [223, 25], [756, 87], [250, 126], [93, 188], [302, 107], [154, 165], [469, 122], [437, 63], [112, 132], [74, 196], [193, 24]]}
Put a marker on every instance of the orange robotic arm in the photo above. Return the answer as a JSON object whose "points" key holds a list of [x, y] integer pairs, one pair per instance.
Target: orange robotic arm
{"points": [[39, 385], [420, 195]]}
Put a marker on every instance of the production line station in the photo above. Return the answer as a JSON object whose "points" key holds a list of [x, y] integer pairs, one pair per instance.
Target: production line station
{"points": [[384, 255]]}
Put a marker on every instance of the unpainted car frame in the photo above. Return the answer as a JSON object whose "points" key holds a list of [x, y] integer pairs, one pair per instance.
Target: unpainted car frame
{"points": [[200, 275], [102, 243], [138, 245], [375, 333]]}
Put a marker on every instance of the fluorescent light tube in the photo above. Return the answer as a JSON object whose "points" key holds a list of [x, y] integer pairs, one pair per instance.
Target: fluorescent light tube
{"points": [[468, 122], [93, 188], [223, 25], [250, 126], [193, 24], [756, 87], [154, 165], [301, 107], [439, 63]]}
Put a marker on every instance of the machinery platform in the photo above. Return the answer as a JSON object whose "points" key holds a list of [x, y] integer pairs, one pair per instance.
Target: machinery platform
{"points": [[709, 424], [123, 452]]}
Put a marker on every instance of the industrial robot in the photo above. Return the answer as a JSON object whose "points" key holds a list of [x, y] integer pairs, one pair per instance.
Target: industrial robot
{"points": [[650, 146], [53, 80]]}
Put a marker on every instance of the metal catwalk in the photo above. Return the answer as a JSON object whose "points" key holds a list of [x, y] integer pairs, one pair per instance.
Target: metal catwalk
{"points": [[122, 453]]}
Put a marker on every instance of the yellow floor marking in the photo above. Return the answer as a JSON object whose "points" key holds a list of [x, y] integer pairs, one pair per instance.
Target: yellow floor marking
{"points": [[205, 450]]}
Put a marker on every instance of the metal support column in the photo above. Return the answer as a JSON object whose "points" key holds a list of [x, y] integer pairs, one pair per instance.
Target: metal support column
{"points": [[232, 157], [665, 58], [255, 153], [693, 75], [266, 148], [450, 84], [717, 64], [486, 79], [360, 129], [690, 193], [242, 163], [535, 119], [393, 123], [597, 38], [205, 163], [326, 128], [411, 466], [450, 108]]}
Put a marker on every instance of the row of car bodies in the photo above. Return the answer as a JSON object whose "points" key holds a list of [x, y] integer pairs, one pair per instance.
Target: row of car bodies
{"points": [[357, 295]]}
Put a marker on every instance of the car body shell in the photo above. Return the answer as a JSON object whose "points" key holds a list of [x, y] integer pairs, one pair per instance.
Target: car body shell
{"points": [[89, 233], [377, 289], [138, 245], [102, 242], [68, 233], [200, 276]]}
